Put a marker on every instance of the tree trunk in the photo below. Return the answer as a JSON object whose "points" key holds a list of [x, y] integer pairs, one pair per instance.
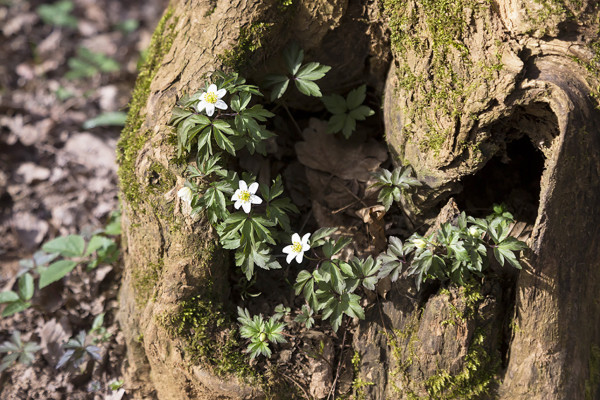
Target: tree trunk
{"points": [[488, 101]]}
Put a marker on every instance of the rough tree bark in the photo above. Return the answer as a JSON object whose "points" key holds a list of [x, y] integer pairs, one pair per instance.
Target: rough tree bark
{"points": [[468, 81]]}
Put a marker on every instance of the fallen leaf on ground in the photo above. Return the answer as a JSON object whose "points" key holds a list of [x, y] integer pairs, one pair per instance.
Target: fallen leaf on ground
{"points": [[342, 158]]}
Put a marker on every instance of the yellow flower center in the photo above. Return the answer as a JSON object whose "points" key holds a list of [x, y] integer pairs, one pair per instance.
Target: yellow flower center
{"points": [[211, 97], [244, 195], [296, 247]]}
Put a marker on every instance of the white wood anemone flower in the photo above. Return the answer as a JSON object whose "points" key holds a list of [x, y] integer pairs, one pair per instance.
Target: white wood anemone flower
{"points": [[245, 196], [211, 99], [297, 248], [185, 194]]}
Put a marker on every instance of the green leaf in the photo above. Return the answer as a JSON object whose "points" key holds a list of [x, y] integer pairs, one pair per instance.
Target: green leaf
{"points": [[26, 287], [308, 88], [8, 296], [223, 142], [55, 272], [361, 113], [335, 104], [336, 123], [349, 127], [15, 307], [317, 238], [293, 56], [66, 246], [278, 85], [312, 71], [356, 97], [115, 118]]}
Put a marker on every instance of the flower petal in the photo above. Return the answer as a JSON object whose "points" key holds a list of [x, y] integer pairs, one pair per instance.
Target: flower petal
{"points": [[254, 199], [238, 204], [290, 257], [253, 187], [221, 93], [200, 106], [203, 97], [210, 109], [295, 238], [305, 247], [243, 185], [299, 257], [305, 239], [212, 88], [236, 195], [247, 206], [287, 249], [220, 104]]}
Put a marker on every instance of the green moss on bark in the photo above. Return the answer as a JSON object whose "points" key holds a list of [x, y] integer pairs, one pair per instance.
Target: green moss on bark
{"points": [[133, 137]]}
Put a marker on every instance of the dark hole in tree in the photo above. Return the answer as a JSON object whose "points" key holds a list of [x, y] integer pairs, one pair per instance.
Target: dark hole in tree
{"points": [[512, 178]]}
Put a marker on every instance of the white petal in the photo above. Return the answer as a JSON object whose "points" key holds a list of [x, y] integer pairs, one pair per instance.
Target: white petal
{"points": [[210, 109], [305, 247], [243, 185], [247, 206], [295, 238], [238, 204], [236, 195], [203, 97], [290, 257], [255, 199], [253, 187], [305, 238], [221, 93], [220, 104], [200, 106], [299, 257], [212, 88], [287, 249]]}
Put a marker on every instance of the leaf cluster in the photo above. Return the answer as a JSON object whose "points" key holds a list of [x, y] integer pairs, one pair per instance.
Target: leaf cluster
{"points": [[392, 183], [88, 64], [227, 131], [17, 351], [303, 75], [331, 287], [346, 111], [58, 14], [78, 351], [260, 332], [57, 258], [455, 252]]}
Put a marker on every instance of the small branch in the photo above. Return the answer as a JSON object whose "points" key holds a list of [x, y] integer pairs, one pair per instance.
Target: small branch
{"points": [[339, 366], [292, 118]]}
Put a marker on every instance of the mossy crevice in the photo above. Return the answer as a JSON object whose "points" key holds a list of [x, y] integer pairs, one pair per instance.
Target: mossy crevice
{"points": [[133, 136]]}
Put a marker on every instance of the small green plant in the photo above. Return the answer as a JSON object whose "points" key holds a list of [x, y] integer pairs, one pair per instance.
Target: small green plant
{"points": [[303, 76], [70, 251], [112, 118], [347, 111], [392, 184], [78, 351], [88, 64], [18, 301], [58, 14], [116, 384], [98, 332], [305, 316], [260, 332], [17, 351]]}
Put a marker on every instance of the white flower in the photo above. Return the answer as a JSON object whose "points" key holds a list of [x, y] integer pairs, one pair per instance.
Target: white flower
{"points": [[185, 194], [474, 231], [297, 248], [419, 243], [244, 197], [211, 99]]}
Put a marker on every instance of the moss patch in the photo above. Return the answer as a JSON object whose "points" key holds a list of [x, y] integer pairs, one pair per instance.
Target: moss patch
{"points": [[443, 88], [210, 337], [144, 281], [132, 137], [250, 40]]}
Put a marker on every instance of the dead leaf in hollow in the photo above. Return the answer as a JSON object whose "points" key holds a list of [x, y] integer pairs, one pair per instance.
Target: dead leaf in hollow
{"points": [[343, 158], [373, 217]]}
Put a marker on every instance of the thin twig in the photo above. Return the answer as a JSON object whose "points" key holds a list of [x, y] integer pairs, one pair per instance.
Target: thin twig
{"points": [[306, 395], [292, 118]]}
